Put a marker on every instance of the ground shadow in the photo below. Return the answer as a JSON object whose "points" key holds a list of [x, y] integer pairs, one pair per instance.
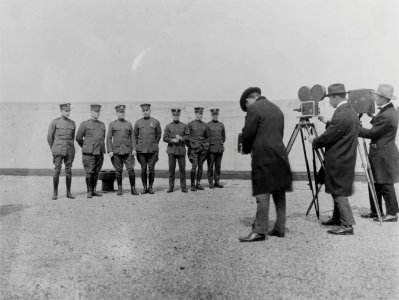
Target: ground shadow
{"points": [[11, 208]]}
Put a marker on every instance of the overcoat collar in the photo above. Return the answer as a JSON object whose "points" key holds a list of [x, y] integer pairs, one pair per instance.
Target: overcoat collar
{"points": [[385, 108]]}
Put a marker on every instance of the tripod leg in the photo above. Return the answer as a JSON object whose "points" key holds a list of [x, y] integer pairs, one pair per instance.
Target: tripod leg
{"points": [[370, 179], [307, 166], [293, 137]]}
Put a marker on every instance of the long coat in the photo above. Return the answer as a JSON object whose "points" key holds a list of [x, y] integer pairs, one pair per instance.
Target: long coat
{"points": [[383, 154], [262, 136], [340, 143]]}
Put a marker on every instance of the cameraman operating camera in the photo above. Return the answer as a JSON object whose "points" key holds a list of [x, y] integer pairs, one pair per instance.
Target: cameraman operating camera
{"points": [[340, 143]]}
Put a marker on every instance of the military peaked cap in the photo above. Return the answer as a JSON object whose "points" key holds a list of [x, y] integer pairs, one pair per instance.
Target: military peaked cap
{"points": [[145, 106], [120, 108], [198, 109], [95, 107], [65, 106]]}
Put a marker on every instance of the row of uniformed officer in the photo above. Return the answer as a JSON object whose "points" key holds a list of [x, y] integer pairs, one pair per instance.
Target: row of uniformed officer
{"points": [[124, 142]]}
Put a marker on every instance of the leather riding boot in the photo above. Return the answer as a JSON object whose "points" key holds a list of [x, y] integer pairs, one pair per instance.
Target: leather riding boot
{"points": [[198, 185], [119, 182], [218, 185], [193, 180], [144, 181], [55, 187], [94, 185], [89, 184], [68, 186], [151, 182], [132, 180]]}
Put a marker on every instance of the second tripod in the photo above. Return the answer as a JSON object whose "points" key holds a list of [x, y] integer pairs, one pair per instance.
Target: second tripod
{"points": [[305, 124]]}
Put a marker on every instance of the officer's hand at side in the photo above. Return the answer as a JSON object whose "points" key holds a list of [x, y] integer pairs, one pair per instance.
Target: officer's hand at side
{"points": [[111, 154], [134, 152], [175, 140], [311, 138]]}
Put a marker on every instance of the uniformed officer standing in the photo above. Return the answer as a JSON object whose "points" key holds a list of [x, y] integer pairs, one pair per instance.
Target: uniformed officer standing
{"points": [[147, 132], [120, 146], [198, 146], [91, 137], [60, 137], [217, 136], [176, 134]]}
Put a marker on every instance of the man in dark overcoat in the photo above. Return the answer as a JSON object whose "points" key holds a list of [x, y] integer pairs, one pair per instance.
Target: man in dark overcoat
{"points": [[60, 137], [91, 137], [262, 136], [176, 135], [121, 147], [383, 154], [340, 143], [148, 133], [217, 137]]}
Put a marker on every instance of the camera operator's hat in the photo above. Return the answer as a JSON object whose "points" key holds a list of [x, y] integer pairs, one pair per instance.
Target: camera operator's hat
{"points": [[175, 111], [336, 89], [214, 111], [65, 106], [95, 107], [145, 106], [386, 91], [198, 110], [245, 95], [120, 108]]}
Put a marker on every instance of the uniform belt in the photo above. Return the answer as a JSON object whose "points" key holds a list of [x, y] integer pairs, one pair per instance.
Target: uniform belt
{"points": [[63, 139]]}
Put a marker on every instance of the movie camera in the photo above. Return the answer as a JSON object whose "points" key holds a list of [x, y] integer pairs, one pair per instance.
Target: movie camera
{"points": [[362, 100]]}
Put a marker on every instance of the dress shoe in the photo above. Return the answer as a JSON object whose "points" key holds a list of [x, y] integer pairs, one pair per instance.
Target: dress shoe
{"points": [[343, 230], [388, 218], [253, 237], [170, 190], [277, 233], [95, 194], [150, 190], [211, 186], [193, 189], [369, 215], [331, 222], [184, 190]]}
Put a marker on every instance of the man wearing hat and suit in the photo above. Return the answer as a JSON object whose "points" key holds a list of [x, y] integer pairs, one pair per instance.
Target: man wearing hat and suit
{"points": [[147, 132], [340, 143], [120, 146], [176, 135], [217, 136], [91, 137], [262, 137], [60, 137], [383, 154], [198, 146]]}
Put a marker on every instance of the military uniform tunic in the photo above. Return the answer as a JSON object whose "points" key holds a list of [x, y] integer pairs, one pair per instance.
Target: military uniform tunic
{"points": [[176, 151], [198, 146], [147, 132], [60, 137], [91, 137], [217, 137], [121, 141]]}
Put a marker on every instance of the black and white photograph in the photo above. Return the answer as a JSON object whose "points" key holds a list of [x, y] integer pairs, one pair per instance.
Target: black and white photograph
{"points": [[199, 149]]}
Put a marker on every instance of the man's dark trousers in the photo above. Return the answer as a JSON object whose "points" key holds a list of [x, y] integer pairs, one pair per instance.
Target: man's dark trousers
{"points": [[388, 192], [181, 160]]}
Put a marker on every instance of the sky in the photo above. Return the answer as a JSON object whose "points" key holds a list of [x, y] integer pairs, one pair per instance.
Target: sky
{"points": [[192, 50]]}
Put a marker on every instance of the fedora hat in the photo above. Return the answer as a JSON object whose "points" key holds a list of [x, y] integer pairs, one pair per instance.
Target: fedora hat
{"points": [[335, 89], [245, 95], [386, 91]]}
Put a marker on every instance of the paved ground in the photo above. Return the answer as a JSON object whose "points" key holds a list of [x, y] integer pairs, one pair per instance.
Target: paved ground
{"points": [[184, 246]]}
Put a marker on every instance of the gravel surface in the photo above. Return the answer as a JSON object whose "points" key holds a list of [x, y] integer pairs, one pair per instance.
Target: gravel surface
{"points": [[185, 246]]}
